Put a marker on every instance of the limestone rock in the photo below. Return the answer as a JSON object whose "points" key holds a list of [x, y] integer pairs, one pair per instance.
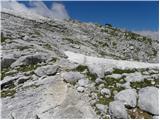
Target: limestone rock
{"points": [[83, 82], [46, 70], [105, 91], [7, 61], [72, 77], [102, 108], [80, 89], [115, 76], [31, 59], [128, 97], [148, 100], [99, 80], [117, 110]]}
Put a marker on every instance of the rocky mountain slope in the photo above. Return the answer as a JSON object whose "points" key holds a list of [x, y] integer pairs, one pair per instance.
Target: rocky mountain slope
{"points": [[70, 69]]}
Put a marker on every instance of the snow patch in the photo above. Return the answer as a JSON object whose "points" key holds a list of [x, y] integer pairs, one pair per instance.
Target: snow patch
{"points": [[107, 63]]}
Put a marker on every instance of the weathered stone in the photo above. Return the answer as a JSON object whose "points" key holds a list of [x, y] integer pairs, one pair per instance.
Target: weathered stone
{"points": [[72, 77], [7, 61], [148, 100], [115, 76], [46, 70], [101, 108], [80, 89], [23, 79], [99, 80], [106, 92], [155, 117], [133, 77], [31, 59], [128, 97], [71, 112], [83, 82], [117, 110]]}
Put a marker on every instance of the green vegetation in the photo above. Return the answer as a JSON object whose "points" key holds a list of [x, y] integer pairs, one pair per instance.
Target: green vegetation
{"points": [[103, 100], [4, 72], [111, 83], [109, 25], [81, 68], [3, 38], [154, 52], [54, 59], [120, 71], [134, 36], [48, 46], [37, 33], [26, 68], [72, 40], [104, 30], [9, 85], [8, 92], [105, 44], [114, 43], [89, 75], [144, 83]]}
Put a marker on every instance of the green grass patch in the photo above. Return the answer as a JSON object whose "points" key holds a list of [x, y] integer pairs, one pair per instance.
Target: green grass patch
{"points": [[8, 92], [54, 59], [26, 68], [4, 72], [81, 68], [104, 30], [3, 38], [144, 83], [120, 71], [37, 33], [103, 100], [114, 43], [89, 75], [73, 41], [48, 46], [111, 84]]}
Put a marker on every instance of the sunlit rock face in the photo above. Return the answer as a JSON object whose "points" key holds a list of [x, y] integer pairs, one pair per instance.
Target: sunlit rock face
{"points": [[69, 69]]}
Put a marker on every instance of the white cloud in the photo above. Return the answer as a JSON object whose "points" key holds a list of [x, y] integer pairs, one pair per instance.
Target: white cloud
{"points": [[57, 10]]}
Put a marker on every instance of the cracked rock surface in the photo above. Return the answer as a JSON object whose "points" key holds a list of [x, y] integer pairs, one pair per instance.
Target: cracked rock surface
{"points": [[69, 69]]}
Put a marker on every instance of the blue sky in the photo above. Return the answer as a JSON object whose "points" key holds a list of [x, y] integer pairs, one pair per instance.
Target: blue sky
{"points": [[131, 15]]}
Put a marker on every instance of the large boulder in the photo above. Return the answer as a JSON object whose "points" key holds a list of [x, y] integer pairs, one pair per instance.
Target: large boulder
{"points": [[117, 110], [46, 70], [31, 59], [148, 100], [128, 97], [7, 61], [72, 77]]}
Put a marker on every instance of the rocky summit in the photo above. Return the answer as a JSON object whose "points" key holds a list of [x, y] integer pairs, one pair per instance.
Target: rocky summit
{"points": [[70, 69]]}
